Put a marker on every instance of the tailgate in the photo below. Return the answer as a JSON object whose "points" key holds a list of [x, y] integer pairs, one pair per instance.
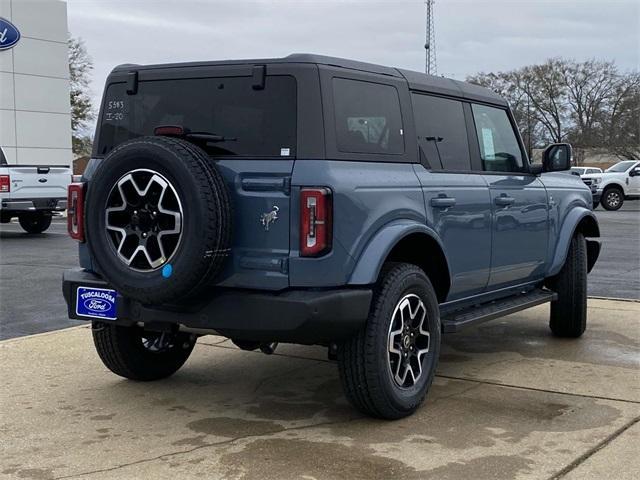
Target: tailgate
{"points": [[260, 198], [39, 181]]}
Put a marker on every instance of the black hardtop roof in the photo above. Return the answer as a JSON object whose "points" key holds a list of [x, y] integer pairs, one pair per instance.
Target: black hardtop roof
{"points": [[416, 80]]}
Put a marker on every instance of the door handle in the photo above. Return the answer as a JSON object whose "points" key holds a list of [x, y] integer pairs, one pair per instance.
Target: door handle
{"points": [[443, 202], [504, 200]]}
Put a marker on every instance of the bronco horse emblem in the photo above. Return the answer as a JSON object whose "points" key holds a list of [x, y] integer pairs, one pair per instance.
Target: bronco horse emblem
{"points": [[268, 218]]}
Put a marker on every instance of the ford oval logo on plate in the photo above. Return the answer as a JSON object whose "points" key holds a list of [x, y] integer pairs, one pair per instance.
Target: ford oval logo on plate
{"points": [[96, 303], [9, 34]]}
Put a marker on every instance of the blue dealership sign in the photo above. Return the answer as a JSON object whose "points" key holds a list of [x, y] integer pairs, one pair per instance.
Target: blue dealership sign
{"points": [[9, 34], [96, 303]]}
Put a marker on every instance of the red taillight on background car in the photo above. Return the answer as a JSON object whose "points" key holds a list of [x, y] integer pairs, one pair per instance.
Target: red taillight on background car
{"points": [[75, 211], [5, 184], [315, 221]]}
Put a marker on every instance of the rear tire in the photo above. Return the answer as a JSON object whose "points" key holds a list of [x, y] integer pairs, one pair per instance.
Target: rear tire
{"points": [[569, 312], [138, 355], [596, 205], [34, 222], [612, 198], [369, 368]]}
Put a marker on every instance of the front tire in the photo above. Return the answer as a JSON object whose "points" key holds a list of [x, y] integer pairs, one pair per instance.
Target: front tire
{"points": [[612, 198], [133, 353], [569, 312], [34, 223], [387, 368]]}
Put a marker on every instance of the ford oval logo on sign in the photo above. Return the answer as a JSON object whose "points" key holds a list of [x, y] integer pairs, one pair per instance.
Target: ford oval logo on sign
{"points": [[9, 34]]}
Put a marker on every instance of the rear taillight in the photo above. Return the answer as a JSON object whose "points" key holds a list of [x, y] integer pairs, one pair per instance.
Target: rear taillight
{"points": [[315, 221], [75, 211], [5, 183]]}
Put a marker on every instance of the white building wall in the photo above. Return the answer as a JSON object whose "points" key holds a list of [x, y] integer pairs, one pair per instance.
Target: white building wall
{"points": [[35, 119]]}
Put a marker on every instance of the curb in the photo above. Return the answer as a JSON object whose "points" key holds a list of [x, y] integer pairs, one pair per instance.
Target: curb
{"points": [[615, 299], [42, 334]]}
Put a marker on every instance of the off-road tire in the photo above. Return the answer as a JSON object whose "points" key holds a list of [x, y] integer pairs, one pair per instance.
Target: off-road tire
{"points": [[121, 350], [612, 198], [206, 225], [569, 312], [363, 360], [34, 222]]}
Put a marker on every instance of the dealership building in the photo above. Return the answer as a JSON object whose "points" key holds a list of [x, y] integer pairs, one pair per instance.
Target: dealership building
{"points": [[35, 120]]}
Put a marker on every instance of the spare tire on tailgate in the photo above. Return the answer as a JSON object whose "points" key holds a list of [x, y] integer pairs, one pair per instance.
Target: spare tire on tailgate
{"points": [[158, 219]]}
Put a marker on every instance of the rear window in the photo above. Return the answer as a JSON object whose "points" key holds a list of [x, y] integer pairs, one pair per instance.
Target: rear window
{"points": [[3, 160], [254, 123], [368, 118]]}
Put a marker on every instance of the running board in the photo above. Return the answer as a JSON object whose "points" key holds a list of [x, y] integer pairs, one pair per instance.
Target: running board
{"points": [[459, 319]]}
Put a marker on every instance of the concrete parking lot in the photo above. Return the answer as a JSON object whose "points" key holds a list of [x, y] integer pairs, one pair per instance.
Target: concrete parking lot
{"points": [[509, 400]]}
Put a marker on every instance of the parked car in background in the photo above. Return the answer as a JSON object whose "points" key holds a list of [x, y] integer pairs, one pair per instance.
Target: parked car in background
{"points": [[585, 170], [580, 172], [616, 184], [32, 193]]}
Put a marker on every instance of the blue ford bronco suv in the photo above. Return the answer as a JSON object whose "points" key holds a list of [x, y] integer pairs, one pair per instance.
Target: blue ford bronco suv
{"points": [[318, 200]]}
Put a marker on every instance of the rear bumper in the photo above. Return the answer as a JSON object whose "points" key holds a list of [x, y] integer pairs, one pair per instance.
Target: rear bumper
{"points": [[297, 316], [34, 204]]}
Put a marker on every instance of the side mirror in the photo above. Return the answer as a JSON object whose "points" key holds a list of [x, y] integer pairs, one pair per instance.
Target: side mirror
{"points": [[635, 172], [557, 157]]}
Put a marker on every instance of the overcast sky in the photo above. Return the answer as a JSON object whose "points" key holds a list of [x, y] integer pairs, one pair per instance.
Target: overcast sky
{"points": [[471, 36]]}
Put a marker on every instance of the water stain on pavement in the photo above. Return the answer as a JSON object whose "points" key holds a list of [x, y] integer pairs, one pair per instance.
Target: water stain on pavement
{"points": [[535, 341], [483, 468], [233, 427], [102, 417], [278, 458], [499, 416]]}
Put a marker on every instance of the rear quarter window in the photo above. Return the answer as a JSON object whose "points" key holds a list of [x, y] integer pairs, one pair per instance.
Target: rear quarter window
{"points": [[441, 131], [367, 117], [255, 123]]}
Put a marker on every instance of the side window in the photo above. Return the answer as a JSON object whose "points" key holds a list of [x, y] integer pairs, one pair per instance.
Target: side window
{"points": [[3, 160], [441, 131], [499, 148], [368, 118]]}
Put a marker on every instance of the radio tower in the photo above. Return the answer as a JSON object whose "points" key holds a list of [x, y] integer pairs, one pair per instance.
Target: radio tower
{"points": [[430, 66]]}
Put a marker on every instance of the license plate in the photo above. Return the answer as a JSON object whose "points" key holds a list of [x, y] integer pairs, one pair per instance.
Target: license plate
{"points": [[96, 303]]}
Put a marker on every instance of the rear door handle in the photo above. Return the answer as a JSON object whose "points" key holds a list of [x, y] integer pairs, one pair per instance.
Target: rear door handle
{"points": [[504, 200], [443, 202]]}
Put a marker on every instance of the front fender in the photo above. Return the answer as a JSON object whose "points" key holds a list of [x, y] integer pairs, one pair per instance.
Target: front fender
{"points": [[373, 256], [569, 226]]}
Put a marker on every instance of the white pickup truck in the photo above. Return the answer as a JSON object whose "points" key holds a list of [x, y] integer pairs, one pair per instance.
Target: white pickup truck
{"points": [[617, 183], [32, 193]]}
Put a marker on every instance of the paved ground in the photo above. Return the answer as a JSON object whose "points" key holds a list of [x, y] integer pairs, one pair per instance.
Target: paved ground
{"points": [[617, 273], [31, 268], [30, 279], [509, 401]]}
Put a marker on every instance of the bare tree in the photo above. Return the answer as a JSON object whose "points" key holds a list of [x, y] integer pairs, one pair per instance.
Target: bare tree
{"points": [[621, 118], [590, 103], [543, 87], [80, 68]]}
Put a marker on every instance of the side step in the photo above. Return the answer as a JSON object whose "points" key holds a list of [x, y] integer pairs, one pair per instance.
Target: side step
{"points": [[459, 319]]}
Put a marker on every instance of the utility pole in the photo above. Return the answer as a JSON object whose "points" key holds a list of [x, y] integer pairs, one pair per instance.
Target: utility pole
{"points": [[430, 46]]}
